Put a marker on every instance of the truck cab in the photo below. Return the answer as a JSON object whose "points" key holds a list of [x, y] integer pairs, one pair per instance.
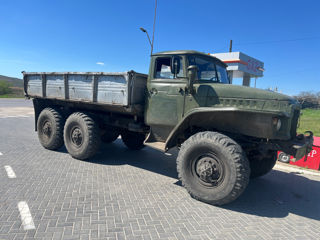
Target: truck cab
{"points": [[190, 90], [171, 93]]}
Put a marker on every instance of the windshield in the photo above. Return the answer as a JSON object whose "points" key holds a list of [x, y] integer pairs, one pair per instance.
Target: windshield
{"points": [[222, 74], [208, 70]]}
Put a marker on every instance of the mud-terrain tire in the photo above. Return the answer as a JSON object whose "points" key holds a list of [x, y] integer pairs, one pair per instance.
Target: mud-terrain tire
{"points": [[50, 129], [133, 140], [81, 136], [110, 135], [213, 168], [261, 165]]}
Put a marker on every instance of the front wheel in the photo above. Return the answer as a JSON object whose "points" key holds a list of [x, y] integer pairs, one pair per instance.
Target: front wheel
{"points": [[213, 168], [81, 136]]}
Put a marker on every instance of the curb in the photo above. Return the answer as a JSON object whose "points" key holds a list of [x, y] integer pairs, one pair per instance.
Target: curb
{"points": [[291, 168]]}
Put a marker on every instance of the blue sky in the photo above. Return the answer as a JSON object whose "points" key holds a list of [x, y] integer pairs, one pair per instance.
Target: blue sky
{"points": [[75, 35]]}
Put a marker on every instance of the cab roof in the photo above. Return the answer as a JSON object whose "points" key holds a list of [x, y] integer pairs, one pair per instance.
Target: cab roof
{"points": [[187, 52]]}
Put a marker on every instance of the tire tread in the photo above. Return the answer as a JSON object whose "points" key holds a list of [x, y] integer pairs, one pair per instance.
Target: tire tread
{"points": [[237, 154], [59, 120], [93, 132]]}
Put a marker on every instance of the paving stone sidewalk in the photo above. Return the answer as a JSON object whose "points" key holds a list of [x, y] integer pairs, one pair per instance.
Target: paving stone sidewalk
{"points": [[122, 194]]}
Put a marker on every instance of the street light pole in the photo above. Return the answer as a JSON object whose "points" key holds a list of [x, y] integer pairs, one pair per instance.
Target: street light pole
{"points": [[145, 31]]}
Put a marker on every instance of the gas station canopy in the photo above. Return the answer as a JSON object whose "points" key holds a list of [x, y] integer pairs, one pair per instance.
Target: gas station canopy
{"points": [[242, 66]]}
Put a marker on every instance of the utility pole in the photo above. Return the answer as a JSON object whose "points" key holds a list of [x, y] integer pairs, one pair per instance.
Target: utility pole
{"points": [[230, 48], [154, 24], [154, 27]]}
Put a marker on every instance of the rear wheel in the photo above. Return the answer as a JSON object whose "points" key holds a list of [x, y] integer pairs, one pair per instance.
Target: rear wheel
{"points": [[261, 164], [213, 168], [50, 129], [110, 135], [81, 136], [133, 140]]}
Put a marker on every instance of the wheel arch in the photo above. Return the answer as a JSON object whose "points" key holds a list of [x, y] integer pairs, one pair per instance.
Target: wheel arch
{"points": [[232, 120], [40, 104]]}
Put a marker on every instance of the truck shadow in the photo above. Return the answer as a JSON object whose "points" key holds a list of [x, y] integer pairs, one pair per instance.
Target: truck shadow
{"points": [[149, 159], [275, 195], [278, 194]]}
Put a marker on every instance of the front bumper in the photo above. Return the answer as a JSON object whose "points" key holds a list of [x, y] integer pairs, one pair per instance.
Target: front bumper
{"points": [[301, 146]]}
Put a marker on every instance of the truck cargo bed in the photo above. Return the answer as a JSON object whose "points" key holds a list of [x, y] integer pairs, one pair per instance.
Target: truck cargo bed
{"points": [[116, 89]]}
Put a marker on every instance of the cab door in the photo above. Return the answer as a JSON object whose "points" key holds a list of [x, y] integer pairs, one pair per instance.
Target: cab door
{"points": [[165, 97]]}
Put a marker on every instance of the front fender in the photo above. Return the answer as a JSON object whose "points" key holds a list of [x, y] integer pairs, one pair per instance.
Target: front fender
{"points": [[230, 119]]}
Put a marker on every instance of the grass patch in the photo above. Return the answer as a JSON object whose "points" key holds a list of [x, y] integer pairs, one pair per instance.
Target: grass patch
{"points": [[12, 92], [11, 96], [310, 121]]}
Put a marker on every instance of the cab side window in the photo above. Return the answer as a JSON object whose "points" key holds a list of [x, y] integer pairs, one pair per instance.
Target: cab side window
{"points": [[163, 68]]}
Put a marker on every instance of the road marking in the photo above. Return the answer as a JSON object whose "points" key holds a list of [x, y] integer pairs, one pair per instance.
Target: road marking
{"points": [[10, 172], [1, 153], [26, 217], [16, 116]]}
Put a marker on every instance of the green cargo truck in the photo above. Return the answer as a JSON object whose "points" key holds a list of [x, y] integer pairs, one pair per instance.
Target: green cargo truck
{"points": [[225, 134]]}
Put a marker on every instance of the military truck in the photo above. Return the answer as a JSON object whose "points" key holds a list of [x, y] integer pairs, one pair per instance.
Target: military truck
{"points": [[225, 134]]}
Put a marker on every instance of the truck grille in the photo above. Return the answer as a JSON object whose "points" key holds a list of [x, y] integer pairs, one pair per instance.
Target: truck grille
{"points": [[294, 123]]}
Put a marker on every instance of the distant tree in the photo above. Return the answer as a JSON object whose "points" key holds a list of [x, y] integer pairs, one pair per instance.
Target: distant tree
{"points": [[318, 97], [4, 87], [309, 99]]}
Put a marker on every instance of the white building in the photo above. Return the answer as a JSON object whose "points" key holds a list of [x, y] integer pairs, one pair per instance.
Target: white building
{"points": [[242, 66]]}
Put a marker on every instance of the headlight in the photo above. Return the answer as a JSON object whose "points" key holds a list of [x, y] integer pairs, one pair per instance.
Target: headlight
{"points": [[277, 123]]}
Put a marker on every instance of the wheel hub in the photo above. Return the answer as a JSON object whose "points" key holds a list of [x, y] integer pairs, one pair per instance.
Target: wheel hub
{"points": [[47, 129], [208, 170], [76, 136]]}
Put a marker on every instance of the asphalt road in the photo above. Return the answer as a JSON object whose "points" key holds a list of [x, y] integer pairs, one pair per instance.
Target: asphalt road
{"points": [[122, 194], [12, 102]]}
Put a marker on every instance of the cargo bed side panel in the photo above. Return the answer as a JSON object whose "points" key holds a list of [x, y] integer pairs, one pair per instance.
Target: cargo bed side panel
{"points": [[113, 89], [80, 87], [34, 85], [55, 86], [117, 89]]}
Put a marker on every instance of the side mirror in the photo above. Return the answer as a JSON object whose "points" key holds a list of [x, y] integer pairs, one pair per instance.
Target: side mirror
{"points": [[175, 66], [192, 76]]}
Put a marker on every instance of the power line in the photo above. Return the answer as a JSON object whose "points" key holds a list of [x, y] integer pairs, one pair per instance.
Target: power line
{"points": [[278, 41], [268, 42]]}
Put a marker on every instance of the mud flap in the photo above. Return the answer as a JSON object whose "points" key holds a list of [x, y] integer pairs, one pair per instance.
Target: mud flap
{"points": [[153, 143]]}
